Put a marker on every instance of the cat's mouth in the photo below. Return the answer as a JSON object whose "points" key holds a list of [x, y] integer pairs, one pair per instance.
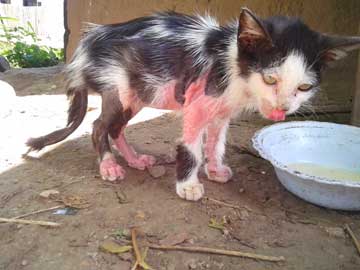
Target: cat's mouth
{"points": [[277, 115], [271, 113]]}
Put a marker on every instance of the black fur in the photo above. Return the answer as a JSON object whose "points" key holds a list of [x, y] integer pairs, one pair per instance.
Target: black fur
{"points": [[185, 163]]}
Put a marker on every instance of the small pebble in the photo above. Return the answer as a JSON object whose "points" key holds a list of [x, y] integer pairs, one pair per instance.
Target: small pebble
{"points": [[192, 264], [48, 193], [157, 171], [335, 232]]}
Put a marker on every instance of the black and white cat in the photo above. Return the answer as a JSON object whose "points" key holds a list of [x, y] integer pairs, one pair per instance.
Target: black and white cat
{"points": [[191, 63]]}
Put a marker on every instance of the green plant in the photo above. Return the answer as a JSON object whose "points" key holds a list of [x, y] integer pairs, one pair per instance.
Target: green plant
{"points": [[21, 52]]}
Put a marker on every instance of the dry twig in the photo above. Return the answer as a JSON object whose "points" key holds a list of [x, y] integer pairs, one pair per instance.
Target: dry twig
{"points": [[38, 212], [353, 237], [139, 259], [33, 222], [229, 205], [221, 252]]}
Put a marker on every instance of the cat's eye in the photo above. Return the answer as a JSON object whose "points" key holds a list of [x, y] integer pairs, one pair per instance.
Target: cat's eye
{"points": [[305, 87], [268, 79]]}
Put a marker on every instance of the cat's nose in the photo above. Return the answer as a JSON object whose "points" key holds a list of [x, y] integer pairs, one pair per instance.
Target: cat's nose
{"points": [[284, 108]]}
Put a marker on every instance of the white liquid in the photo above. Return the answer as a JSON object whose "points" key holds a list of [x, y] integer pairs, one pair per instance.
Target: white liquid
{"points": [[328, 172]]}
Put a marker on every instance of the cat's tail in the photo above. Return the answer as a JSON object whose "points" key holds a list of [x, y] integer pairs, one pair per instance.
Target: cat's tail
{"points": [[78, 98]]}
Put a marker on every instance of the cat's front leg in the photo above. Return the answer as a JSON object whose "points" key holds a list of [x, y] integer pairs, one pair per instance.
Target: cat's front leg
{"points": [[189, 154], [215, 150]]}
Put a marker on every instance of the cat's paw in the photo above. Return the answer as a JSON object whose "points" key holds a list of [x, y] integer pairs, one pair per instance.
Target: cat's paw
{"points": [[220, 174], [142, 162], [190, 191], [110, 170]]}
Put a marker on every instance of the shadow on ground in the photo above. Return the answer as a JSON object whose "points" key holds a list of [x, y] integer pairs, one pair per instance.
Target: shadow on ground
{"points": [[270, 220]]}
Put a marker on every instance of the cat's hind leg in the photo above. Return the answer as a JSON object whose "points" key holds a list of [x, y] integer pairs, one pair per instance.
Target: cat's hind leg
{"points": [[134, 160], [112, 118]]}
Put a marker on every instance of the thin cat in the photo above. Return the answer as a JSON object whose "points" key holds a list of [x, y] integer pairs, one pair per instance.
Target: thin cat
{"points": [[191, 63]]}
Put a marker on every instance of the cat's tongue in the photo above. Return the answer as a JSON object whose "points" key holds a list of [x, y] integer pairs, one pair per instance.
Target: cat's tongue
{"points": [[277, 115]]}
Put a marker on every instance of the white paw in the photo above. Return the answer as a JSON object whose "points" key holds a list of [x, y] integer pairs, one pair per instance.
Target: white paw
{"points": [[220, 174], [189, 190]]}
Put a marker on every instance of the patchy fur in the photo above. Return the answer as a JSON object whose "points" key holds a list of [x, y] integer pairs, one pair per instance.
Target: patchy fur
{"points": [[191, 63]]}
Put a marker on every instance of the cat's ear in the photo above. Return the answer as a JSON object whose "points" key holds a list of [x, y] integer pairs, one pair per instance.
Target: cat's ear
{"points": [[252, 34], [337, 48]]}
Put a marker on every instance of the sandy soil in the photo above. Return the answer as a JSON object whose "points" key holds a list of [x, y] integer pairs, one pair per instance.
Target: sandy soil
{"points": [[269, 220]]}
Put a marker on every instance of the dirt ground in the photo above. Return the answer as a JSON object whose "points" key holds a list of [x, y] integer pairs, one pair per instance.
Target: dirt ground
{"points": [[268, 220]]}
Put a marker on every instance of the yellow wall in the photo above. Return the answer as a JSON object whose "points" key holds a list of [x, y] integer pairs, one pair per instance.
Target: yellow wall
{"points": [[336, 16]]}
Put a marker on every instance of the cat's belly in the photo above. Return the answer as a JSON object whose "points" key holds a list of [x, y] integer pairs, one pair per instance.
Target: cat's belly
{"points": [[164, 98], [194, 99]]}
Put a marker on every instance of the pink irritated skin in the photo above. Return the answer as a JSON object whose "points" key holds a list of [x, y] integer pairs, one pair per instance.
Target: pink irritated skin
{"points": [[134, 160], [110, 170], [200, 110], [215, 169], [168, 101]]}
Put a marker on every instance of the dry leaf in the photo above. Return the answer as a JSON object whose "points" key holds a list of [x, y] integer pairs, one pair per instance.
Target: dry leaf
{"points": [[75, 201], [113, 247], [216, 225]]}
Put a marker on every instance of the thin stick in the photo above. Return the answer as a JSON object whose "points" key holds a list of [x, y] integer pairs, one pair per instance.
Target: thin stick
{"points": [[353, 237], [140, 261], [228, 204], [135, 266], [38, 212], [221, 252], [33, 222], [135, 245]]}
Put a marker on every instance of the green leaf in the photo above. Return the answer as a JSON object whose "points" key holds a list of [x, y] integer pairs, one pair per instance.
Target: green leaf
{"points": [[216, 225], [9, 19]]}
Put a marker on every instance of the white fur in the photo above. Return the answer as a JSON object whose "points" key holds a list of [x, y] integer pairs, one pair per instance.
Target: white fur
{"points": [[220, 146], [160, 96], [290, 74], [76, 67], [191, 188], [236, 93], [159, 30], [108, 155], [195, 39]]}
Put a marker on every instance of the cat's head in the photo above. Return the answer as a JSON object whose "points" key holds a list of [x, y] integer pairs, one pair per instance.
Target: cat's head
{"points": [[282, 59]]}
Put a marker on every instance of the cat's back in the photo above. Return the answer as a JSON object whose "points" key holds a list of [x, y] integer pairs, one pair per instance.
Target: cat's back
{"points": [[162, 25]]}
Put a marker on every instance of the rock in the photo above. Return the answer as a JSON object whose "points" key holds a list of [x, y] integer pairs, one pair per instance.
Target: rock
{"points": [[244, 214], [126, 256], [175, 239], [171, 266], [157, 171], [192, 264], [4, 64], [122, 265], [335, 232], [24, 262], [47, 193]]}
